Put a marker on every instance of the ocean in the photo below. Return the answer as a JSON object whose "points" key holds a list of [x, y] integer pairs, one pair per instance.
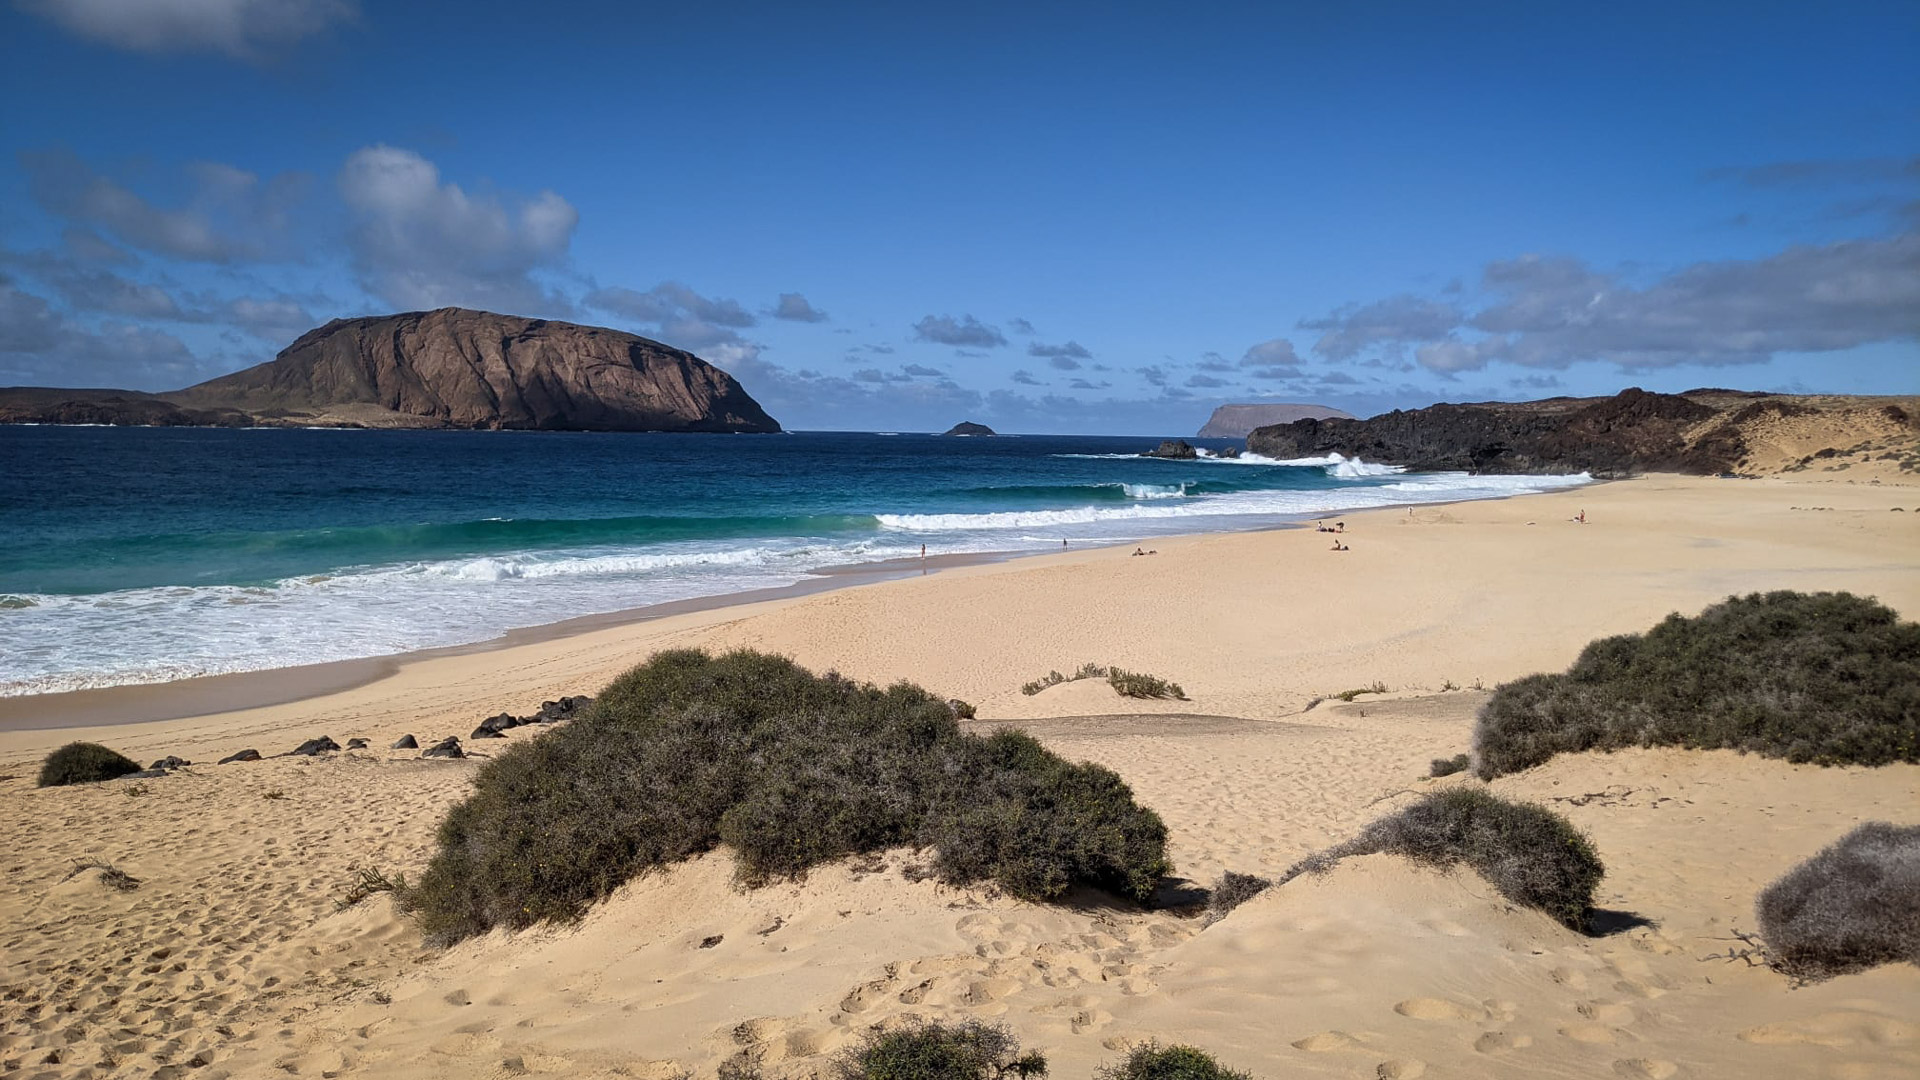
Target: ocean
{"points": [[141, 555]]}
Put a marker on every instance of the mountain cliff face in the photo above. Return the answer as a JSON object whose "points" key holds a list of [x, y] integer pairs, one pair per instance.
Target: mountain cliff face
{"points": [[1236, 421], [451, 368], [1701, 432]]}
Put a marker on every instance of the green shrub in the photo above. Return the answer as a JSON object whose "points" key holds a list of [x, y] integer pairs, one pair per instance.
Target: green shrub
{"points": [[1447, 766], [1232, 891], [1828, 678], [965, 1051], [1136, 685], [1378, 687], [789, 769], [84, 763], [1853, 906], [1155, 1062], [1533, 856]]}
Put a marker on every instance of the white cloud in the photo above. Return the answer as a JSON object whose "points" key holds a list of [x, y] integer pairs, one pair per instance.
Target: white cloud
{"points": [[229, 216], [420, 243], [244, 29]]}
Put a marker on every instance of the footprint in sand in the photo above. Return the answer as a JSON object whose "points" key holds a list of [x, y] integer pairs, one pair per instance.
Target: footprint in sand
{"points": [[1328, 1042], [1401, 1069], [1591, 1034], [1607, 1012], [1436, 1009], [1499, 1042], [1645, 1068]]}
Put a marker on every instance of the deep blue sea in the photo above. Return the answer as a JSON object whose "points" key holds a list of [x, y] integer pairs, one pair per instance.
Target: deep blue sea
{"points": [[137, 555]]}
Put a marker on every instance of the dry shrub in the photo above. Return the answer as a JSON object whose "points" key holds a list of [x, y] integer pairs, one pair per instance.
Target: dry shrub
{"points": [[84, 763], [1232, 891], [790, 769], [1828, 678], [1533, 856], [925, 1051], [1853, 906], [1151, 1061]]}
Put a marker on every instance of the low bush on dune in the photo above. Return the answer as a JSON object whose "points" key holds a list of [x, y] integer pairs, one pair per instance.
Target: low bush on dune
{"points": [[1828, 678], [1853, 906], [1135, 684], [1531, 855], [790, 769], [1447, 766], [926, 1051], [1233, 890], [84, 763], [1155, 1062]]}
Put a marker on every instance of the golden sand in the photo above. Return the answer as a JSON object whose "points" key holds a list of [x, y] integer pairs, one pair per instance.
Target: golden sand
{"points": [[231, 959]]}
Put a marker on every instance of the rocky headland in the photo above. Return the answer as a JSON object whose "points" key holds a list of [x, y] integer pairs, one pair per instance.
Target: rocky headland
{"points": [[449, 368], [1237, 421], [1701, 432]]}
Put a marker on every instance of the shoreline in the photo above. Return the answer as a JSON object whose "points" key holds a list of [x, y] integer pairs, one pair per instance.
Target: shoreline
{"points": [[272, 690], [201, 695]]}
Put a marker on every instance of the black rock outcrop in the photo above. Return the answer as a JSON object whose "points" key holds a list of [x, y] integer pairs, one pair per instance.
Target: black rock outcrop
{"points": [[1633, 431], [1176, 449], [968, 427]]}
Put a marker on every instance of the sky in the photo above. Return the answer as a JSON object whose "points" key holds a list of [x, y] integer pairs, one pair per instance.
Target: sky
{"points": [[1058, 217]]}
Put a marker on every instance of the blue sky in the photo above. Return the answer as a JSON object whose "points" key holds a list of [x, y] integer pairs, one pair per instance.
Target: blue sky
{"points": [[1046, 217]]}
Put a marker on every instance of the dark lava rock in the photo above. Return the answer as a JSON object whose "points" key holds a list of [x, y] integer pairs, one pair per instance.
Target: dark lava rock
{"points": [[968, 427], [1229, 452], [321, 745], [710, 942], [170, 762], [1633, 431], [356, 744], [407, 742], [143, 774], [485, 732], [244, 755], [1176, 449], [494, 725], [448, 747], [555, 711]]}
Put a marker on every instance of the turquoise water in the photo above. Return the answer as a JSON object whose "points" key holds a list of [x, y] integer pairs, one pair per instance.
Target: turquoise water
{"points": [[136, 555]]}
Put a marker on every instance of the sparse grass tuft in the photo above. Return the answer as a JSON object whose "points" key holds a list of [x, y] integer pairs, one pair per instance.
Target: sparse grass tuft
{"points": [[1087, 670], [1827, 678], [790, 769], [110, 875], [925, 1051], [1348, 695], [1533, 856], [84, 763], [368, 880], [276, 793], [1448, 686], [1449, 766], [134, 791], [1853, 906], [1137, 685], [1232, 891], [1151, 1061]]}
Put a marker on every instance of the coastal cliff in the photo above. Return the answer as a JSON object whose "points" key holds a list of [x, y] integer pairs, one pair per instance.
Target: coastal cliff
{"points": [[1237, 421], [449, 368], [1703, 432]]}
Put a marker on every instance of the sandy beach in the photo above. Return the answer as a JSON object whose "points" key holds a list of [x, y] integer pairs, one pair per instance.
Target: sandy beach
{"points": [[231, 957]]}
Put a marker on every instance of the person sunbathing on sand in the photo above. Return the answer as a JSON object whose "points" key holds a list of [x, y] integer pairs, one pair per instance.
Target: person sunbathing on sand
{"points": [[1338, 546]]}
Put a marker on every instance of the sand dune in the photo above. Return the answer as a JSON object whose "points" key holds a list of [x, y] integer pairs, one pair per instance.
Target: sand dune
{"points": [[230, 957]]}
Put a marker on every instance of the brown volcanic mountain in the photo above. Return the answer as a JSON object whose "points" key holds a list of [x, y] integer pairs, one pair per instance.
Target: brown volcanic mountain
{"points": [[1700, 432], [450, 368]]}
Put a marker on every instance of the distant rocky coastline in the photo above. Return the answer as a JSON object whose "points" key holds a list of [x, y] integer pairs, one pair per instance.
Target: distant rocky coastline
{"points": [[1702, 432], [1238, 421], [450, 368]]}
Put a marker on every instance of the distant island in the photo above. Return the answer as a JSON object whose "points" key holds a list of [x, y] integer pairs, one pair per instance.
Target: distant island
{"points": [[1236, 421], [449, 368], [968, 427], [1703, 432]]}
